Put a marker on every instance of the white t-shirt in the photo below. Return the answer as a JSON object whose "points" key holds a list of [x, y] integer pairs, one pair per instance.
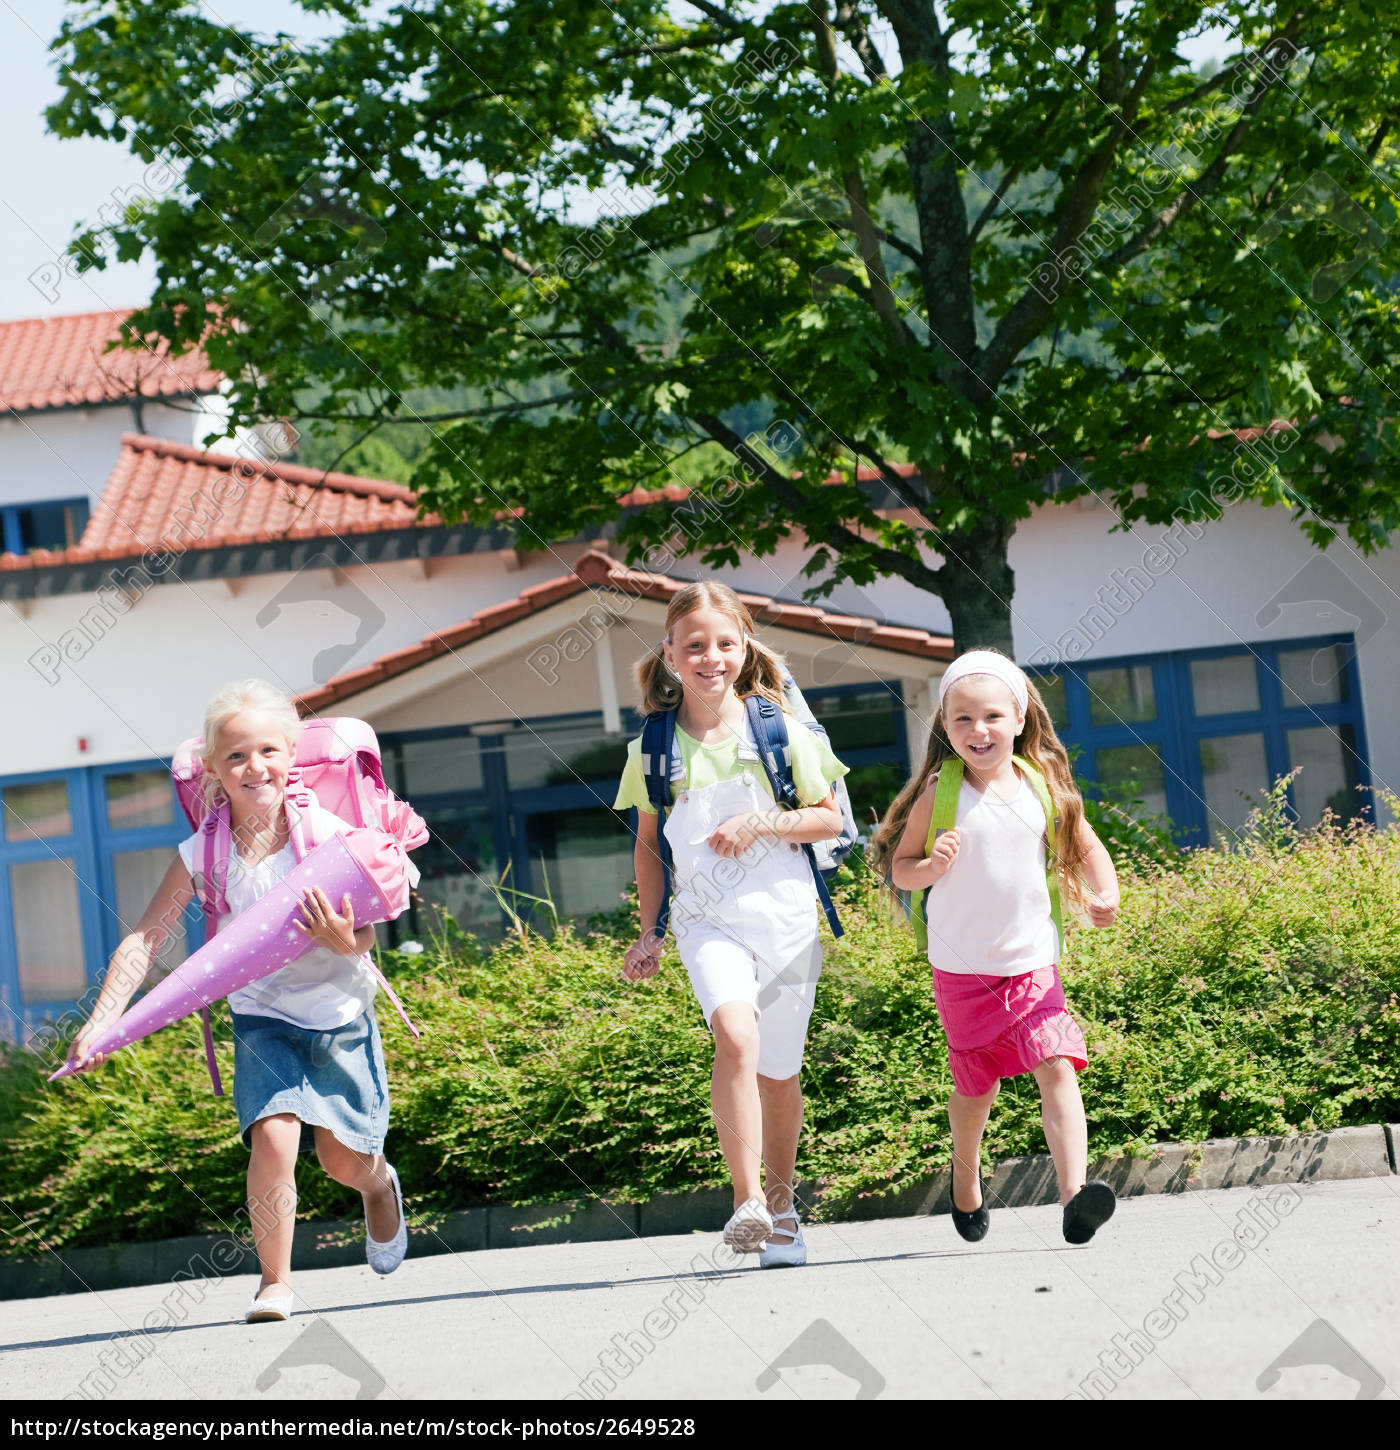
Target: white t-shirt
{"points": [[318, 991], [989, 915]]}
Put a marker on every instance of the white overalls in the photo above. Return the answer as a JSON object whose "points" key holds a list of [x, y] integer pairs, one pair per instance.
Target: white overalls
{"points": [[746, 926]]}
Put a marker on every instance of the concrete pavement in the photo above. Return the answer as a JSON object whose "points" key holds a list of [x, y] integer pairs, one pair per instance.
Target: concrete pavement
{"points": [[1286, 1291]]}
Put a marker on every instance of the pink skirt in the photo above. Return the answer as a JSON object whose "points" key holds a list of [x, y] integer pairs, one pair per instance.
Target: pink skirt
{"points": [[1003, 1026]]}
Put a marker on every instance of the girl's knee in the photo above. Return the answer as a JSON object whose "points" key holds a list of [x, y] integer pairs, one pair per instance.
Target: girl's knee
{"points": [[1056, 1072], [278, 1133], [982, 1100], [735, 1030], [345, 1165]]}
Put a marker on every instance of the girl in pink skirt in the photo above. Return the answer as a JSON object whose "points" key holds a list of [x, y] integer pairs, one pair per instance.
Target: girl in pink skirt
{"points": [[993, 940]]}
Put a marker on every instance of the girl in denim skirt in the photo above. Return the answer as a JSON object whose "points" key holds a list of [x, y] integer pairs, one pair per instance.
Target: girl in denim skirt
{"points": [[308, 1065]]}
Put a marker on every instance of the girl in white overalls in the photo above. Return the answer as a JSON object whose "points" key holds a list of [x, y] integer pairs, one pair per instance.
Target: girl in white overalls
{"points": [[744, 906]]}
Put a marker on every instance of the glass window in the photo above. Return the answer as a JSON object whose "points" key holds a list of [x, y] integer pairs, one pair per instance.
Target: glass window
{"points": [[459, 871], [1052, 691], [859, 721], [48, 934], [57, 525], [1313, 676], [1328, 779], [1117, 696], [439, 767], [1127, 771], [1224, 684], [138, 873], [568, 753], [1236, 775], [139, 798], [579, 860], [40, 809]]}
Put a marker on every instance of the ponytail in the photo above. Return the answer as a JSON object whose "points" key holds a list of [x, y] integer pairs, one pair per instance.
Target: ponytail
{"points": [[659, 687]]}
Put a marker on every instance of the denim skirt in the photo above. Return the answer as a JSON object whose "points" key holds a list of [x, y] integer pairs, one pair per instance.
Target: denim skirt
{"points": [[330, 1079]]}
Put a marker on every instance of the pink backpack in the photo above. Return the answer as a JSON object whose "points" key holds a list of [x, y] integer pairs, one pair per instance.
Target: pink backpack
{"points": [[338, 767]]}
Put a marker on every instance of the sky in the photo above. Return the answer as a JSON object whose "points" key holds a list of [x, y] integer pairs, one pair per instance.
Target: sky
{"points": [[51, 186]]}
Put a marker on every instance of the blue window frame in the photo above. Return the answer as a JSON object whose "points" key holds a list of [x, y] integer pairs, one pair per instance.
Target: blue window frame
{"points": [[64, 853], [1198, 729], [52, 524]]}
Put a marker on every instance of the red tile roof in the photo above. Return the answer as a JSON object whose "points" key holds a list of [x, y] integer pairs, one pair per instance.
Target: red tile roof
{"points": [[171, 496], [59, 362], [597, 571]]}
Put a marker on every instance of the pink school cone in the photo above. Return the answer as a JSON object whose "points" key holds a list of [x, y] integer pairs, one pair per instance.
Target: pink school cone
{"points": [[367, 865]]}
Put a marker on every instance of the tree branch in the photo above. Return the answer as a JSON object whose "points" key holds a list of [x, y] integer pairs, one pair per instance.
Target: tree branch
{"points": [[851, 23], [718, 14], [1027, 316], [889, 561], [1192, 192]]}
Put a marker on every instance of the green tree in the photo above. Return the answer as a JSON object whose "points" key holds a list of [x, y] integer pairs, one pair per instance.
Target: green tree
{"points": [[1020, 246]]}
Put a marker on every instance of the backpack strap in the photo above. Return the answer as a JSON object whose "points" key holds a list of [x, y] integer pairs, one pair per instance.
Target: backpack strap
{"points": [[945, 816], [1037, 783], [770, 733], [658, 743]]}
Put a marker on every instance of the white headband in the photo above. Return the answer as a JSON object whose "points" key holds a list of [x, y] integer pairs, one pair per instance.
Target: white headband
{"points": [[986, 662]]}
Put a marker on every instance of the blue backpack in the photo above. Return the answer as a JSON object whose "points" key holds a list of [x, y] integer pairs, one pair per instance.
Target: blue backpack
{"points": [[768, 723]]}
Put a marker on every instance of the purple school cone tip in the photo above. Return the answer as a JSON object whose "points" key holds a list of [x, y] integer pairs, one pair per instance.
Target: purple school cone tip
{"points": [[367, 865]]}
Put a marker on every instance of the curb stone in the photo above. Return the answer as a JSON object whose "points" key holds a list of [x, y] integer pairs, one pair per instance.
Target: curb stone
{"points": [[1341, 1154]]}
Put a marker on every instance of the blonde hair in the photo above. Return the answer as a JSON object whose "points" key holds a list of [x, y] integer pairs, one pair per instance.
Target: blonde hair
{"points": [[250, 694], [1036, 743], [762, 672]]}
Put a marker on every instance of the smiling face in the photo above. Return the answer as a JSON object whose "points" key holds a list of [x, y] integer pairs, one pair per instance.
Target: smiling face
{"points": [[251, 760], [706, 648], [982, 722]]}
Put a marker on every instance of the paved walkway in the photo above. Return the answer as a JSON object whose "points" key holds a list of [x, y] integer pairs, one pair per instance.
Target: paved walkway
{"points": [[1242, 1293]]}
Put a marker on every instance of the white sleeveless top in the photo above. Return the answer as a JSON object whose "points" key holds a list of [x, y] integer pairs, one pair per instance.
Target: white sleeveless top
{"points": [[990, 914]]}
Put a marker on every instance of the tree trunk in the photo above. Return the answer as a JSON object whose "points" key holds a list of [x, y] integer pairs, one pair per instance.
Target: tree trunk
{"points": [[977, 585]]}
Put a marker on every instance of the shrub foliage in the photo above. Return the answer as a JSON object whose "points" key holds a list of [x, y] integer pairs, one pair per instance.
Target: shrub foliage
{"points": [[1244, 991]]}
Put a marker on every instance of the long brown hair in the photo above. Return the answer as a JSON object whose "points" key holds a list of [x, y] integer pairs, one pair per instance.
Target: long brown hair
{"points": [[762, 672], [1036, 743]]}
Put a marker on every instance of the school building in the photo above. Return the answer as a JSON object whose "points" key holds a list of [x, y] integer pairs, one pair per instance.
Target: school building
{"points": [[142, 572]]}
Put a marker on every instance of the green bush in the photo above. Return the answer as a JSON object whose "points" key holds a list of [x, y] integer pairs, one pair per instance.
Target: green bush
{"points": [[1250, 991]]}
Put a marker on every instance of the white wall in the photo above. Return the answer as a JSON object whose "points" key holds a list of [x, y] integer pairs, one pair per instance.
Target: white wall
{"points": [[135, 683], [70, 452]]}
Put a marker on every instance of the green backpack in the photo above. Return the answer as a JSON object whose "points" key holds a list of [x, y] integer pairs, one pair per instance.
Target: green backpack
{"points": [[945, 817]]}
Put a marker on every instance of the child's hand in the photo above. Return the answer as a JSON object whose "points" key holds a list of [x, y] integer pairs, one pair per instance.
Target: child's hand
{"points": [[1103, 910], [733, 837], [327, 927], [95, 1026], [643, 958], [944, 853]]}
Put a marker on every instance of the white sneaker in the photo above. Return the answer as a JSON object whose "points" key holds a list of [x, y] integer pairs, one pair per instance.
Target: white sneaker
{"points": [[786, 1248], [386, 1257], [748, 1227]]}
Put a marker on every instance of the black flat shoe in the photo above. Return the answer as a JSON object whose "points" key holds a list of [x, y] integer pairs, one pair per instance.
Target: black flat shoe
{"points": [[972, 1226], [1088, 1211]]}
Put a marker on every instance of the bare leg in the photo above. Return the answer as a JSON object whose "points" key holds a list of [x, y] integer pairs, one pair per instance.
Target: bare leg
{"points": [[734, 1095], [1062, 1116], [272, 1198], [782, 1127], [367, 1172], [967, 1117]]}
